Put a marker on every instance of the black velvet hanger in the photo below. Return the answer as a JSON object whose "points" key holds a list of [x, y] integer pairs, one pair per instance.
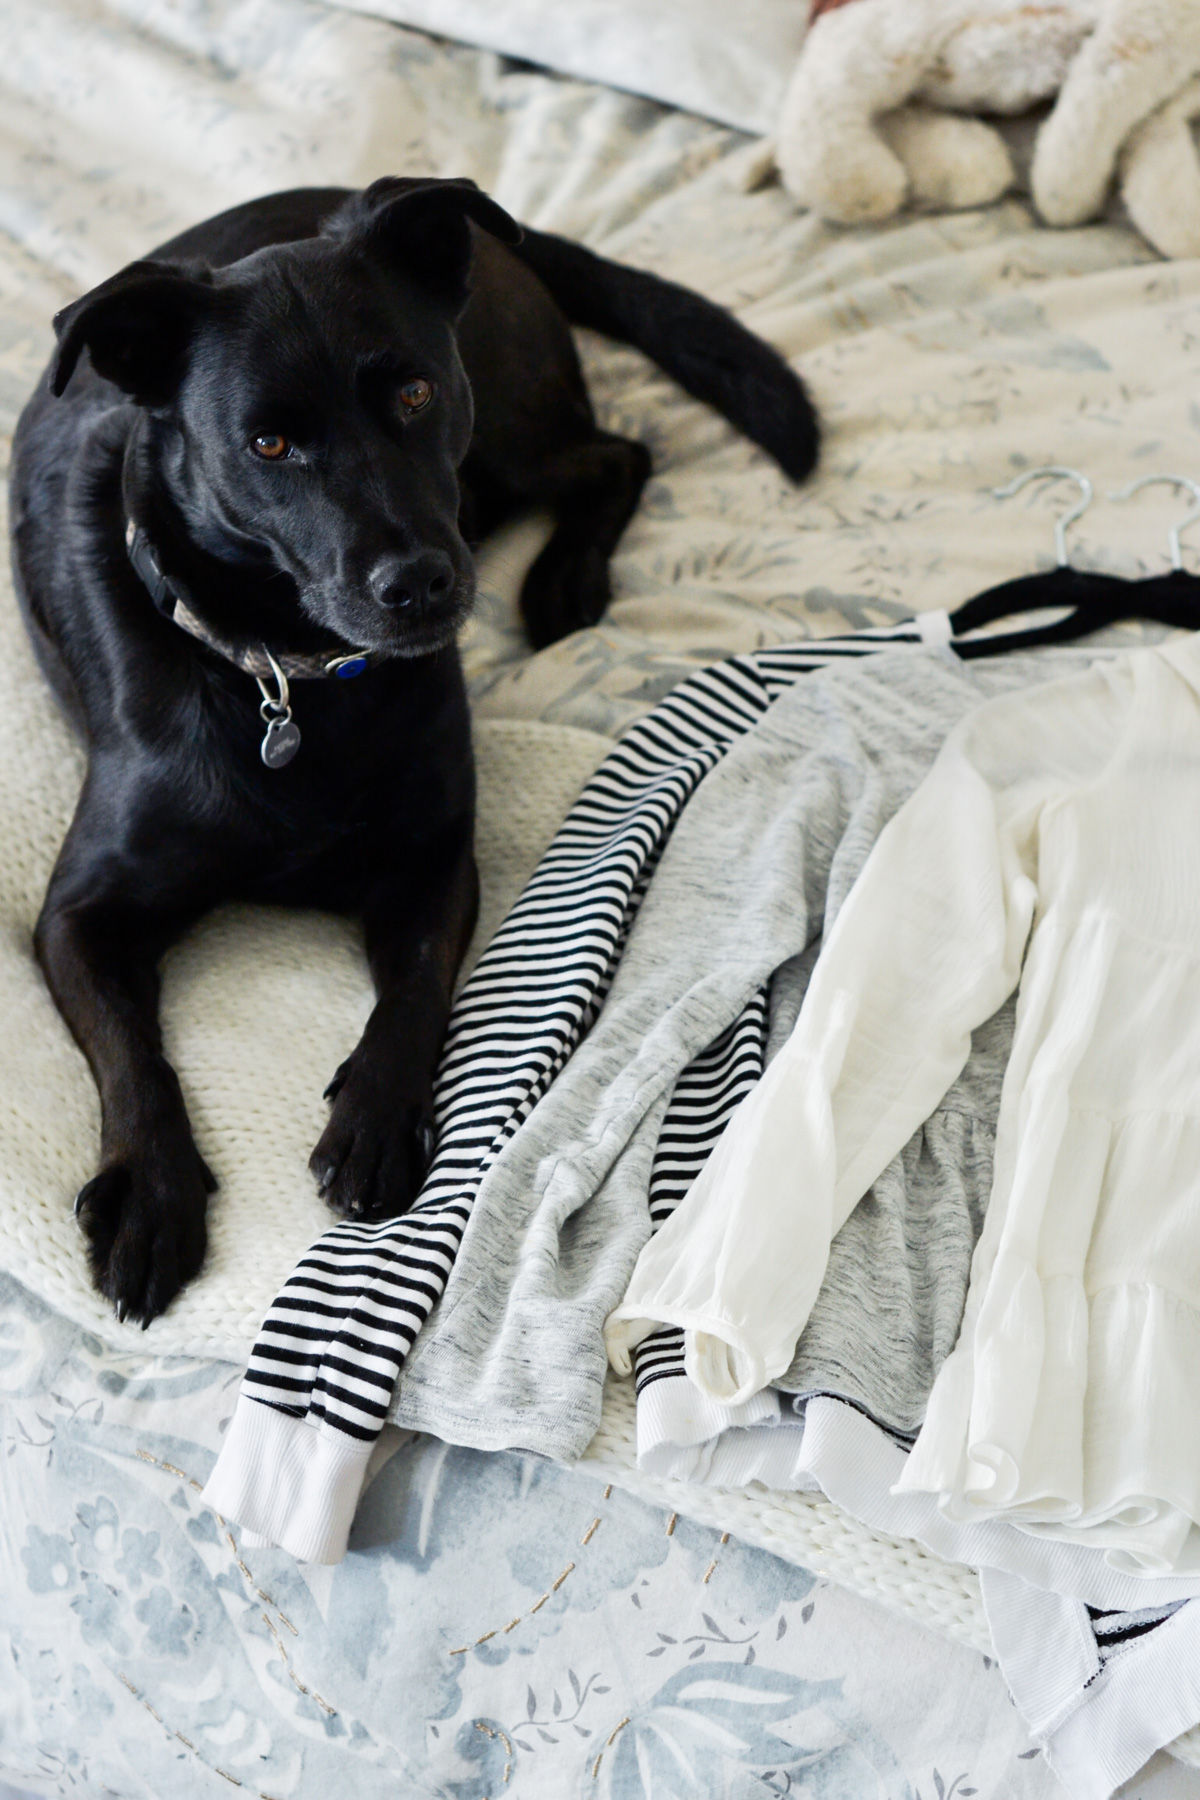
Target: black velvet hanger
{"points": [[1095, 599]]}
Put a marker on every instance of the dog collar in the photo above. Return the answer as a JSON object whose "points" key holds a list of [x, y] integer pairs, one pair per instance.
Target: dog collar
{"points": [[174, 602], [282, 738]]}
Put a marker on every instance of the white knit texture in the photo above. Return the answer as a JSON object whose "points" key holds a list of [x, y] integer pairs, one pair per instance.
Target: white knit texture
{"points": [[260, 1005]]}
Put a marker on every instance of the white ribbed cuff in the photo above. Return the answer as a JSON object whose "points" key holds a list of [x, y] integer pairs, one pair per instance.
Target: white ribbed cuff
{"points": [[288, 1481], [1028, 1622], [1145, 1699], [1096, 1728], [683, 1434], [856, 1465]]}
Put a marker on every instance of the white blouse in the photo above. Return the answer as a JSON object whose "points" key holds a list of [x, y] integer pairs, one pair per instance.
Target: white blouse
{"points": [[1059, 829]]}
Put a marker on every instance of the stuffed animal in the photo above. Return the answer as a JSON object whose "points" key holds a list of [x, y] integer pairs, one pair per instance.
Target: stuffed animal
{"points": [[877, 112]]}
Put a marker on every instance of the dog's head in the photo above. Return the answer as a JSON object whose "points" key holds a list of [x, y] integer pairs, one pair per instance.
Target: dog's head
{"points": [[307, 408]]}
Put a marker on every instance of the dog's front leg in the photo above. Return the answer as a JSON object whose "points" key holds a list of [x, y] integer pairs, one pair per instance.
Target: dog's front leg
{"points": [[374, 1152], [144, 1213]]}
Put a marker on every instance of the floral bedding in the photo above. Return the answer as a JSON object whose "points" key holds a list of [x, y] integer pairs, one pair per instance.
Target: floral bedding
{"points": [[502, 1627]]}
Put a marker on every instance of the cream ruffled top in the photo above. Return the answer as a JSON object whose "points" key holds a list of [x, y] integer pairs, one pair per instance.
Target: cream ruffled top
{"points": [[1056, 842]]}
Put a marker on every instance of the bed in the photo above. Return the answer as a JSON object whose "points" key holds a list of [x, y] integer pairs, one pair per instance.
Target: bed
{"points": [[505, 1626]]}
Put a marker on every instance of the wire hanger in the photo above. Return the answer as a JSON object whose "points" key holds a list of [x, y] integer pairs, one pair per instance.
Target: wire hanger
{"points": [[1173, 535], [1175, 594], [1061, 586], [1086, 492]]}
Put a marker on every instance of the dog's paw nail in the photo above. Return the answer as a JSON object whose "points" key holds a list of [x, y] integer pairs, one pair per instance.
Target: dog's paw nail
{"points": [[338, 1081], [120, 1312], [145, 1324], [87, 1195]]}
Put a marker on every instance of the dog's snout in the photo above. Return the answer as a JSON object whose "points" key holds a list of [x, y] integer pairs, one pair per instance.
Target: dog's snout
{"points": [[412, 583]]}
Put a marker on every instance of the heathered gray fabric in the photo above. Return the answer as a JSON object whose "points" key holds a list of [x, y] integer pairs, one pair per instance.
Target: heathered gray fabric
{"points": [[759, 862], [891, 1302]]}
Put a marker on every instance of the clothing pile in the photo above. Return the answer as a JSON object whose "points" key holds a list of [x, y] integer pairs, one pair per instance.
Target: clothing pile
{"points": [[867, 979]]}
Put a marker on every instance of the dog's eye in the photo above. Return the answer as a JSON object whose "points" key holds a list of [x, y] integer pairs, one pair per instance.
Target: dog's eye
{"points": [[416, 394], [270, 445]]}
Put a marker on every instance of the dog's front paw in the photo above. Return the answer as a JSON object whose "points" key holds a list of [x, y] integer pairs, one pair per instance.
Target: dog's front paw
{"points": [[372, 1156], [144, 1219]]}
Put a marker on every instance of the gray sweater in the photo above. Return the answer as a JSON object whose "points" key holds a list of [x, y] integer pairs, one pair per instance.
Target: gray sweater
{"points": [[758, 864]]}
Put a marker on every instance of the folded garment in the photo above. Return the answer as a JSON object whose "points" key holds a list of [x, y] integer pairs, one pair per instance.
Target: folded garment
{"points": [[1101, 1662], [1065, 1405], [792, 1439]]}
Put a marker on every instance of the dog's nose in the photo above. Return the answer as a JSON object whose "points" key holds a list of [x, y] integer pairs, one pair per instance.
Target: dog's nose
{"points": [[412, 583]]}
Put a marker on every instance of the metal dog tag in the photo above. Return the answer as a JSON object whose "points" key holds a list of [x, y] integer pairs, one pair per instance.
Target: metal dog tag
{"points": [[281, 742], [283, 734]]}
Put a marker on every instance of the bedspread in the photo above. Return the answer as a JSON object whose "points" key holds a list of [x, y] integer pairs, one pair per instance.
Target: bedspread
{"points": [[503, 1628]]}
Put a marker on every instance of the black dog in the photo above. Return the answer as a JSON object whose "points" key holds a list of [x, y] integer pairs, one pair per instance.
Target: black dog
{"points": [[287, 428]]}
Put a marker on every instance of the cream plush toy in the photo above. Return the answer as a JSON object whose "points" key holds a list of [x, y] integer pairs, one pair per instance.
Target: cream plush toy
{"points": [[876, 111]]}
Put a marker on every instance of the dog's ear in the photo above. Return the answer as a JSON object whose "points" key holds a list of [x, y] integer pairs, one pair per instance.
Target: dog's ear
{"points": [[420, 225], [137, 325]]}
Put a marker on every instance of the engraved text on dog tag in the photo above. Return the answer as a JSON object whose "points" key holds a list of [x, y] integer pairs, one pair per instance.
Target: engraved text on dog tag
{"points": [[281, 743]]}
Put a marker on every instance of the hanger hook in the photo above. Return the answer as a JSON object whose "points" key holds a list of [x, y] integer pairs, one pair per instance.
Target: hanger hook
{"points": [[1067, 518], [1179, 481]]}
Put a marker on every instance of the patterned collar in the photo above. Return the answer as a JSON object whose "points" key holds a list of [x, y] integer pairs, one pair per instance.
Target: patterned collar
{"points": [[174, 602]]}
